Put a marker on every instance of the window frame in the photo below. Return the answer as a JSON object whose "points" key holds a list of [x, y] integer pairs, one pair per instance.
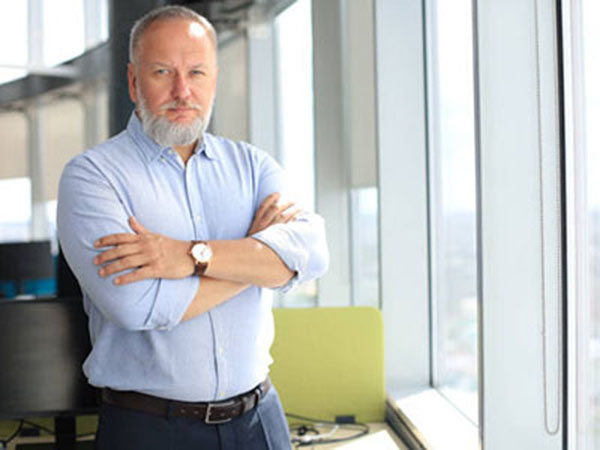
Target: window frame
{"points": [[511, 393]]}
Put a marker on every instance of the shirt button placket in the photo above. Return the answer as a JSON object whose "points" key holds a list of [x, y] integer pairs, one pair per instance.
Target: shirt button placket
{"points": [[194, 199]]}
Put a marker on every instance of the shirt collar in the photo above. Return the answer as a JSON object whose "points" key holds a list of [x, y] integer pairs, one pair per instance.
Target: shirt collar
{"points": [[152, 150]]}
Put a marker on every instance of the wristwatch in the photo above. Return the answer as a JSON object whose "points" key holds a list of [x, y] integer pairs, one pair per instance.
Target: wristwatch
{"points": [[201, 253]]}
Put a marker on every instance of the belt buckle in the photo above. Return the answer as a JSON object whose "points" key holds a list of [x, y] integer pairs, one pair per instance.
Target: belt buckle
{"points": [[209, 409]]}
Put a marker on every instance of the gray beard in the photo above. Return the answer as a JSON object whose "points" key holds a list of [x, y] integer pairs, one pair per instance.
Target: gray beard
{"points": [[167, 134]]}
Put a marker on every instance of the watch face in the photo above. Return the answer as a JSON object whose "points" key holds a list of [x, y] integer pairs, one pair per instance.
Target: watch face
{"points": [[201, 253]]}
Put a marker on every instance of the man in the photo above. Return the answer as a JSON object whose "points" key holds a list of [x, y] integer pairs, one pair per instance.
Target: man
{"points": [[172, 233]]}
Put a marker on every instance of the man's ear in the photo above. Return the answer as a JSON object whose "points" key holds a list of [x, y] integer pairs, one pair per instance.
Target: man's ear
{"points": [[132, 83]]}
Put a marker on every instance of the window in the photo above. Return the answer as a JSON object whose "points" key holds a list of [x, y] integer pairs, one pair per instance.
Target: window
{"points": [[63, 137], [40, 38], [453, 203], [365, 246], [295, 94], [63, 39], [295, 115], [13, 29], [15, 184], [490, 258], [15, 220], [590, 318]]}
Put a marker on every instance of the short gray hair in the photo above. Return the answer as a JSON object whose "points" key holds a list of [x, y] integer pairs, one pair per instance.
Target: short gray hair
{"points": [[166, 13]]}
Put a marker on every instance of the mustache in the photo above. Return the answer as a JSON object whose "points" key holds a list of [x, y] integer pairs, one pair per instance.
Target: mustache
{"points": [[179, 104]]}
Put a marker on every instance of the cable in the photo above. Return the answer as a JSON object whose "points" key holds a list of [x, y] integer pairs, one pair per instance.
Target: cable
{"points": [[9, 439], [315, 437], [53, 432], [39, 426]]}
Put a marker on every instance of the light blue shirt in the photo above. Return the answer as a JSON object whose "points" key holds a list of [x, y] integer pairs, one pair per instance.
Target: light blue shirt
{"points": [[138, 341]]}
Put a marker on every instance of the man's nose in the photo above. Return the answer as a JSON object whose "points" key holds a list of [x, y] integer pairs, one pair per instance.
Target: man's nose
{"points": [[181, 87]]}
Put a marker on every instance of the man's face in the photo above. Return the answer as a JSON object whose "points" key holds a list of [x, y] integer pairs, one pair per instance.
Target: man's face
{"points": [[173, 82]]}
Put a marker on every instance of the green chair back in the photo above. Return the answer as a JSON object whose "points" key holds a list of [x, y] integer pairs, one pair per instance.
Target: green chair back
{"points": [[329, 362]]}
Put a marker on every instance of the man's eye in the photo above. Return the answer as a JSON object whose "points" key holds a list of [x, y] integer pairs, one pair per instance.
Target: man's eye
{"points": [[161, 71], [198, 72]]}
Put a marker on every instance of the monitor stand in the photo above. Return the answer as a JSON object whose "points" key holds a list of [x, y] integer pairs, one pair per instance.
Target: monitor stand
{"points": [[64, 429]]}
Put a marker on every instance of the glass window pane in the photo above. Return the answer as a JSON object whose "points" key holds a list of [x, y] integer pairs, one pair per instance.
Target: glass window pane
{"points": [[7, 75], [63, 138], [591, 66], [295, 116], [13, 29], [15, 184], [453, 203], [63, 39], [95, 22], [365, 247], [295, 94], [15, 216], [14, 162]]}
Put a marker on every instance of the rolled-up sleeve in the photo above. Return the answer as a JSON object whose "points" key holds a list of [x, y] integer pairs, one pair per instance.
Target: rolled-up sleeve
{"points": [[301, 244], [89, 208]]}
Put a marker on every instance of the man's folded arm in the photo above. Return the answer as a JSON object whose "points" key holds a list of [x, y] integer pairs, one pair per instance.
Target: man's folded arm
{"points": [[142, 288], [141, 296], [279, 256], [89, 208]]}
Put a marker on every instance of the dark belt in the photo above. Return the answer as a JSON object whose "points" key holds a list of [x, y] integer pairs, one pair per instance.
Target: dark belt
{"points": [[211, 413]]}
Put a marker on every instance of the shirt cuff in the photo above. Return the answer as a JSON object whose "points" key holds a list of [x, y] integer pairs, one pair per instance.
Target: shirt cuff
{"points": [[173, 297], [287, 247]]}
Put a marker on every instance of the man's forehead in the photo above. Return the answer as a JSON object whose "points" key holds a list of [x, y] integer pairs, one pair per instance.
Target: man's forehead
{"points": [[178, 26], [197, 30], [191, 42]]}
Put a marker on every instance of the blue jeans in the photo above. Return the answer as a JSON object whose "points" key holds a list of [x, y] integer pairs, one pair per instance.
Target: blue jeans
{"points": [[263, 428]]}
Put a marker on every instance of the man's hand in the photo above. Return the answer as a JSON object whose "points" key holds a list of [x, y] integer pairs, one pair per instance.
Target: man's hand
{"points": [[271, 211], [151, 255]]}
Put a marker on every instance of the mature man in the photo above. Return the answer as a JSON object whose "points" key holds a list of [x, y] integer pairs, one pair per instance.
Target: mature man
{"points": [[179, 329]]}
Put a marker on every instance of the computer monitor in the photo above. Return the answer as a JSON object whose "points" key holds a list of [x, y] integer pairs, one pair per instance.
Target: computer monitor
{"points": [[22, 261], [43, 344]]}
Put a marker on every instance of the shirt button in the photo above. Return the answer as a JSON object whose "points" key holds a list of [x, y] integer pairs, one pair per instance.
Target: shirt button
{"points": [[222, 394], [221, 351], [198, 218]]}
